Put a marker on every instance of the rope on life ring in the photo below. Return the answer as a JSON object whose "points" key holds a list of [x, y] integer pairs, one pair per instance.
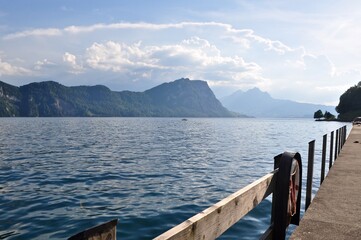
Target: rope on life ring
{"points": [[293, 189]]}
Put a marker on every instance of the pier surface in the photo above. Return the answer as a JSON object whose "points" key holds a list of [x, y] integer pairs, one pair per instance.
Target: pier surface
{"points": [[335, 212]]}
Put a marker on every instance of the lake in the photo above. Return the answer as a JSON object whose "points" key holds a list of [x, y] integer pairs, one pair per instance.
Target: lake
{"points": [[59, 176]]}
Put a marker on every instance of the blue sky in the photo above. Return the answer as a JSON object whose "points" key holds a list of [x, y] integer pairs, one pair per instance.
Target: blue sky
{"points": [[307, 51]]}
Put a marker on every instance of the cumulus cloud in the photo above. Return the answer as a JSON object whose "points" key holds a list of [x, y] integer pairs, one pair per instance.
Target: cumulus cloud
{"points": [[220, 53], [71, 60], [116, 57], [41, 64], [11, 70], [193, 56]]}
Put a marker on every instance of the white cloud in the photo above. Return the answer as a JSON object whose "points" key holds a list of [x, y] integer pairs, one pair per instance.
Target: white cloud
{"points": [[191, 57], [145, 26], [114, 26], [71, 60], [33, 33], [225, 56], [41, 64], [11, 70], [117, 57], [270, 45]]}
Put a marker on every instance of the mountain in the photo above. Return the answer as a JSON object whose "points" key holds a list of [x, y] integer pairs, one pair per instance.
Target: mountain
{"points": [[256, 103], [10, 98], [181, 98], [193, 97]]}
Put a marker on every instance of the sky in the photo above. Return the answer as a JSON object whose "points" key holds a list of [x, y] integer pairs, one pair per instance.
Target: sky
{"points": [[306, 51]]}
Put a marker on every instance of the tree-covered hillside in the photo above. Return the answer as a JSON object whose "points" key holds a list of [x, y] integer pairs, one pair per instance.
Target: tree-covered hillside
{"points": [[10, 98], [184, 96], [181, 98], [349, 106]]}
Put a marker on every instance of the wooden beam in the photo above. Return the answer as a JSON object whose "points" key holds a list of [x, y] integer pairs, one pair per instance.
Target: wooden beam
{"points": [[105, 231], [215, 220]]}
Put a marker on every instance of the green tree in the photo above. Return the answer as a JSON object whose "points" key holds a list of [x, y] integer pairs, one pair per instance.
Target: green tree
{"points": [[349, 106], [329, 116], [318, 114]]}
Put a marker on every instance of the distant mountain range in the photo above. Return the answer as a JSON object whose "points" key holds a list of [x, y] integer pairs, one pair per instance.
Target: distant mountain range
{"points": [[181, 98], [256, 103]]}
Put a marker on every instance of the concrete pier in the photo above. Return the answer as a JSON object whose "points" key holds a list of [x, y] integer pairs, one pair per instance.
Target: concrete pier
{"points": [[335, 212]]}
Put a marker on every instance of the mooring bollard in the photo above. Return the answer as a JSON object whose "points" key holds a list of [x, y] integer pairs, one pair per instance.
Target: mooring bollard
{"points": [[286, 201]]}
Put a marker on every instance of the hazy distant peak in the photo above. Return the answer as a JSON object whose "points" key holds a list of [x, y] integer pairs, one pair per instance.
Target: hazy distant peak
{"points": [[255, 89], [256, 92], [255, 102]]}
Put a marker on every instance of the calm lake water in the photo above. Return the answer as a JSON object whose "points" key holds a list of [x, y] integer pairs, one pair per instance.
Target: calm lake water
{"points": [[59, 176]]}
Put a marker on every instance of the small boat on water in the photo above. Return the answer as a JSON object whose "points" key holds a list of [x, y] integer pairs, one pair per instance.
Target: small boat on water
{"points": [[184, 119]]}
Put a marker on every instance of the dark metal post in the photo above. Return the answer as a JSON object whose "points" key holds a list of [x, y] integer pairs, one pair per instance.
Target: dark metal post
{"points": [[324, 148], [281, 218], [336, 145], [344, 136], [339, 142], [331, 150], [311, 155], [340, 139]]}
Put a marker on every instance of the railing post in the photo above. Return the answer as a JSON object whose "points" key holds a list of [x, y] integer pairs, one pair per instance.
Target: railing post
{"points": [[331, 151], [324, 148], [343, 136], [336, 145], [311, 154], [339, 141]]}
